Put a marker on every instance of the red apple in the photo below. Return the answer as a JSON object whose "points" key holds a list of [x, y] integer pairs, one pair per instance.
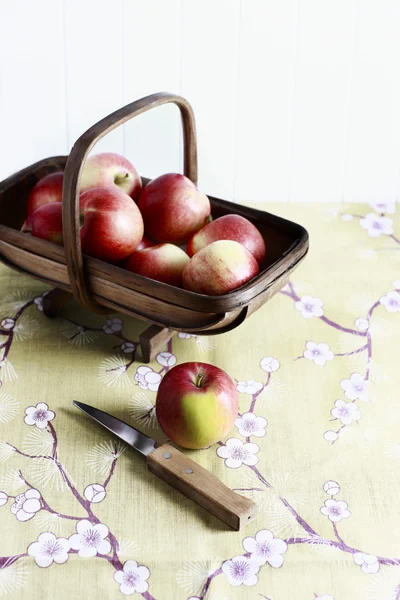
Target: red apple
{"points": [[164, 262], [173, 209], [145, 243], [110, 170], [219, 268], [196, 404], [48, 189], [229, 227], [112, 226], [46, 223]]}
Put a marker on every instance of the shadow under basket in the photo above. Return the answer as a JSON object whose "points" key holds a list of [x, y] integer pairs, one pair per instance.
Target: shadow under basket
{"points": [[103, 287]]}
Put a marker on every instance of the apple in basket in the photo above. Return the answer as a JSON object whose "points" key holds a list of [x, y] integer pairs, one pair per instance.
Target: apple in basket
{"points": [[219, 268], [46, 223], [164, 262], [109, 170], [229, 227], [196, 404], [173, 209], [48, 189]]}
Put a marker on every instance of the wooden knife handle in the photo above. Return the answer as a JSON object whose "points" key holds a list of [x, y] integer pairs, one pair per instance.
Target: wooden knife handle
{"points": [[201, 486]]}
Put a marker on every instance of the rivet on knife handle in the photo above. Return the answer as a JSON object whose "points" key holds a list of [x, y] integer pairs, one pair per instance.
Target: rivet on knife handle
{"points": [[201, 486]]}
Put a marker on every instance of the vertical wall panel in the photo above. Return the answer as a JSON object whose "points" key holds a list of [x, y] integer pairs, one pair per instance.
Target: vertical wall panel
{"points": [[373, 155], [32, 92], [209, 81], [321, 99], [268, 33], [152, 64], [93, 31]]}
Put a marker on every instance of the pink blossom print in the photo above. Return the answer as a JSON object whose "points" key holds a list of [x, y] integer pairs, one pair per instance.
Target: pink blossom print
{"points": [[270, 364], [249, 387], [331, 436], [90, 539], [147, 378], [355, 388], [377, 225], [318, 353], [132, 578], [49, 549], [241, 570], [361, 324], [3, 498], [383, 206], [7, 324], [346, 412], [95, 492], [166, 359], [331, 488], [368, 562], [249, 424], [396, 284], [264, 548], [309, 307], [128, 347], [26, 505], [236, 453], [38, 415], [335, 510], [391, 301], [113, 326]]}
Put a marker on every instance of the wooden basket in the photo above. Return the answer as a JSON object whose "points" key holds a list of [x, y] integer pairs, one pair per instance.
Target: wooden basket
{"points": [[98, 285]]}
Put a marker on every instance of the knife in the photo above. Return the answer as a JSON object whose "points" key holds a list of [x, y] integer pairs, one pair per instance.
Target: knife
{"points": [[181, 472]]}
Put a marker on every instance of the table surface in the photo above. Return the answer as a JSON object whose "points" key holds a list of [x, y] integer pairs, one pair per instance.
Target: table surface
{"points": [[317, 369]]}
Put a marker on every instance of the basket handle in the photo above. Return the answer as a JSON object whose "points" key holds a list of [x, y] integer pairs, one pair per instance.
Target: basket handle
{"points": [[73, 169]]}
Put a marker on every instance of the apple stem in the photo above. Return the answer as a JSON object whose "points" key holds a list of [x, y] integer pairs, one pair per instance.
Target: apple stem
{"points": [[120, 177], [199, 379]]}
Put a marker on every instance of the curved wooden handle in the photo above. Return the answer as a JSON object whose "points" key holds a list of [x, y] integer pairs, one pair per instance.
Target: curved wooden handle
{"points": [[73, 169], [201, 486]]}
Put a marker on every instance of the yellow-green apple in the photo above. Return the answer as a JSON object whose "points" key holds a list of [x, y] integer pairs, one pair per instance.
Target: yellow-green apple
{"points": [[112, 226], [48, 189], [173, 209], [196, 404], [164, 262], [229, 227], [46, 223], [219, 268], [110, 170], [145, 243]]}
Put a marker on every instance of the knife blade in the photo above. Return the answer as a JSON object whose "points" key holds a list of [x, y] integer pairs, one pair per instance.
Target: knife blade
{"points": [[180, 471]]}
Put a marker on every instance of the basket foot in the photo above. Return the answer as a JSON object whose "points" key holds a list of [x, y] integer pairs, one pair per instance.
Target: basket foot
{"points": [[54, 301], [152, 340]]}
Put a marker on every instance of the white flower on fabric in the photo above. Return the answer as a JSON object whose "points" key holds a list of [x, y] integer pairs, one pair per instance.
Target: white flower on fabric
{"points": [[376, 225], [249, 424], [391, 301], [8, 324], [49, 549], [147, 378], [355, 387], [270, 364], [310, 307], [331, 436], [383, 207], [347, 412], [166, 359], [319, 353], [347, 217], [361, 324], [128, 347], [331, 487], [39, 303], [90, 539], [236, 453], [249, 387], [396, 284], [185, 336], [38, 415], [368, 562], [112, 326], [241, 570], [95, 492], [132, 578], [335, 510], [3, 498], [26, 505], [325, 597], [264, 548]]}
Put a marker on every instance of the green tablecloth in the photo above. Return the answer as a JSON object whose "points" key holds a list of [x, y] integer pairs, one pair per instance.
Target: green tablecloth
{"points": [[317, 369]]}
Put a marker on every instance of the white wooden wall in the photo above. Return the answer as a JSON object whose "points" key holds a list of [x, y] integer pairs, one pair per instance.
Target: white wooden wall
{"points": [[295, 100]]}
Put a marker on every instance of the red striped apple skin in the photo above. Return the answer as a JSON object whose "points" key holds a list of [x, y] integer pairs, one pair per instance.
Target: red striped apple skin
{"points": [[196, 404], [164, 262], [48, 189], [229, 227], [108, 169], [46, 223], [173, 209], [112, 224], [219, 268]]}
